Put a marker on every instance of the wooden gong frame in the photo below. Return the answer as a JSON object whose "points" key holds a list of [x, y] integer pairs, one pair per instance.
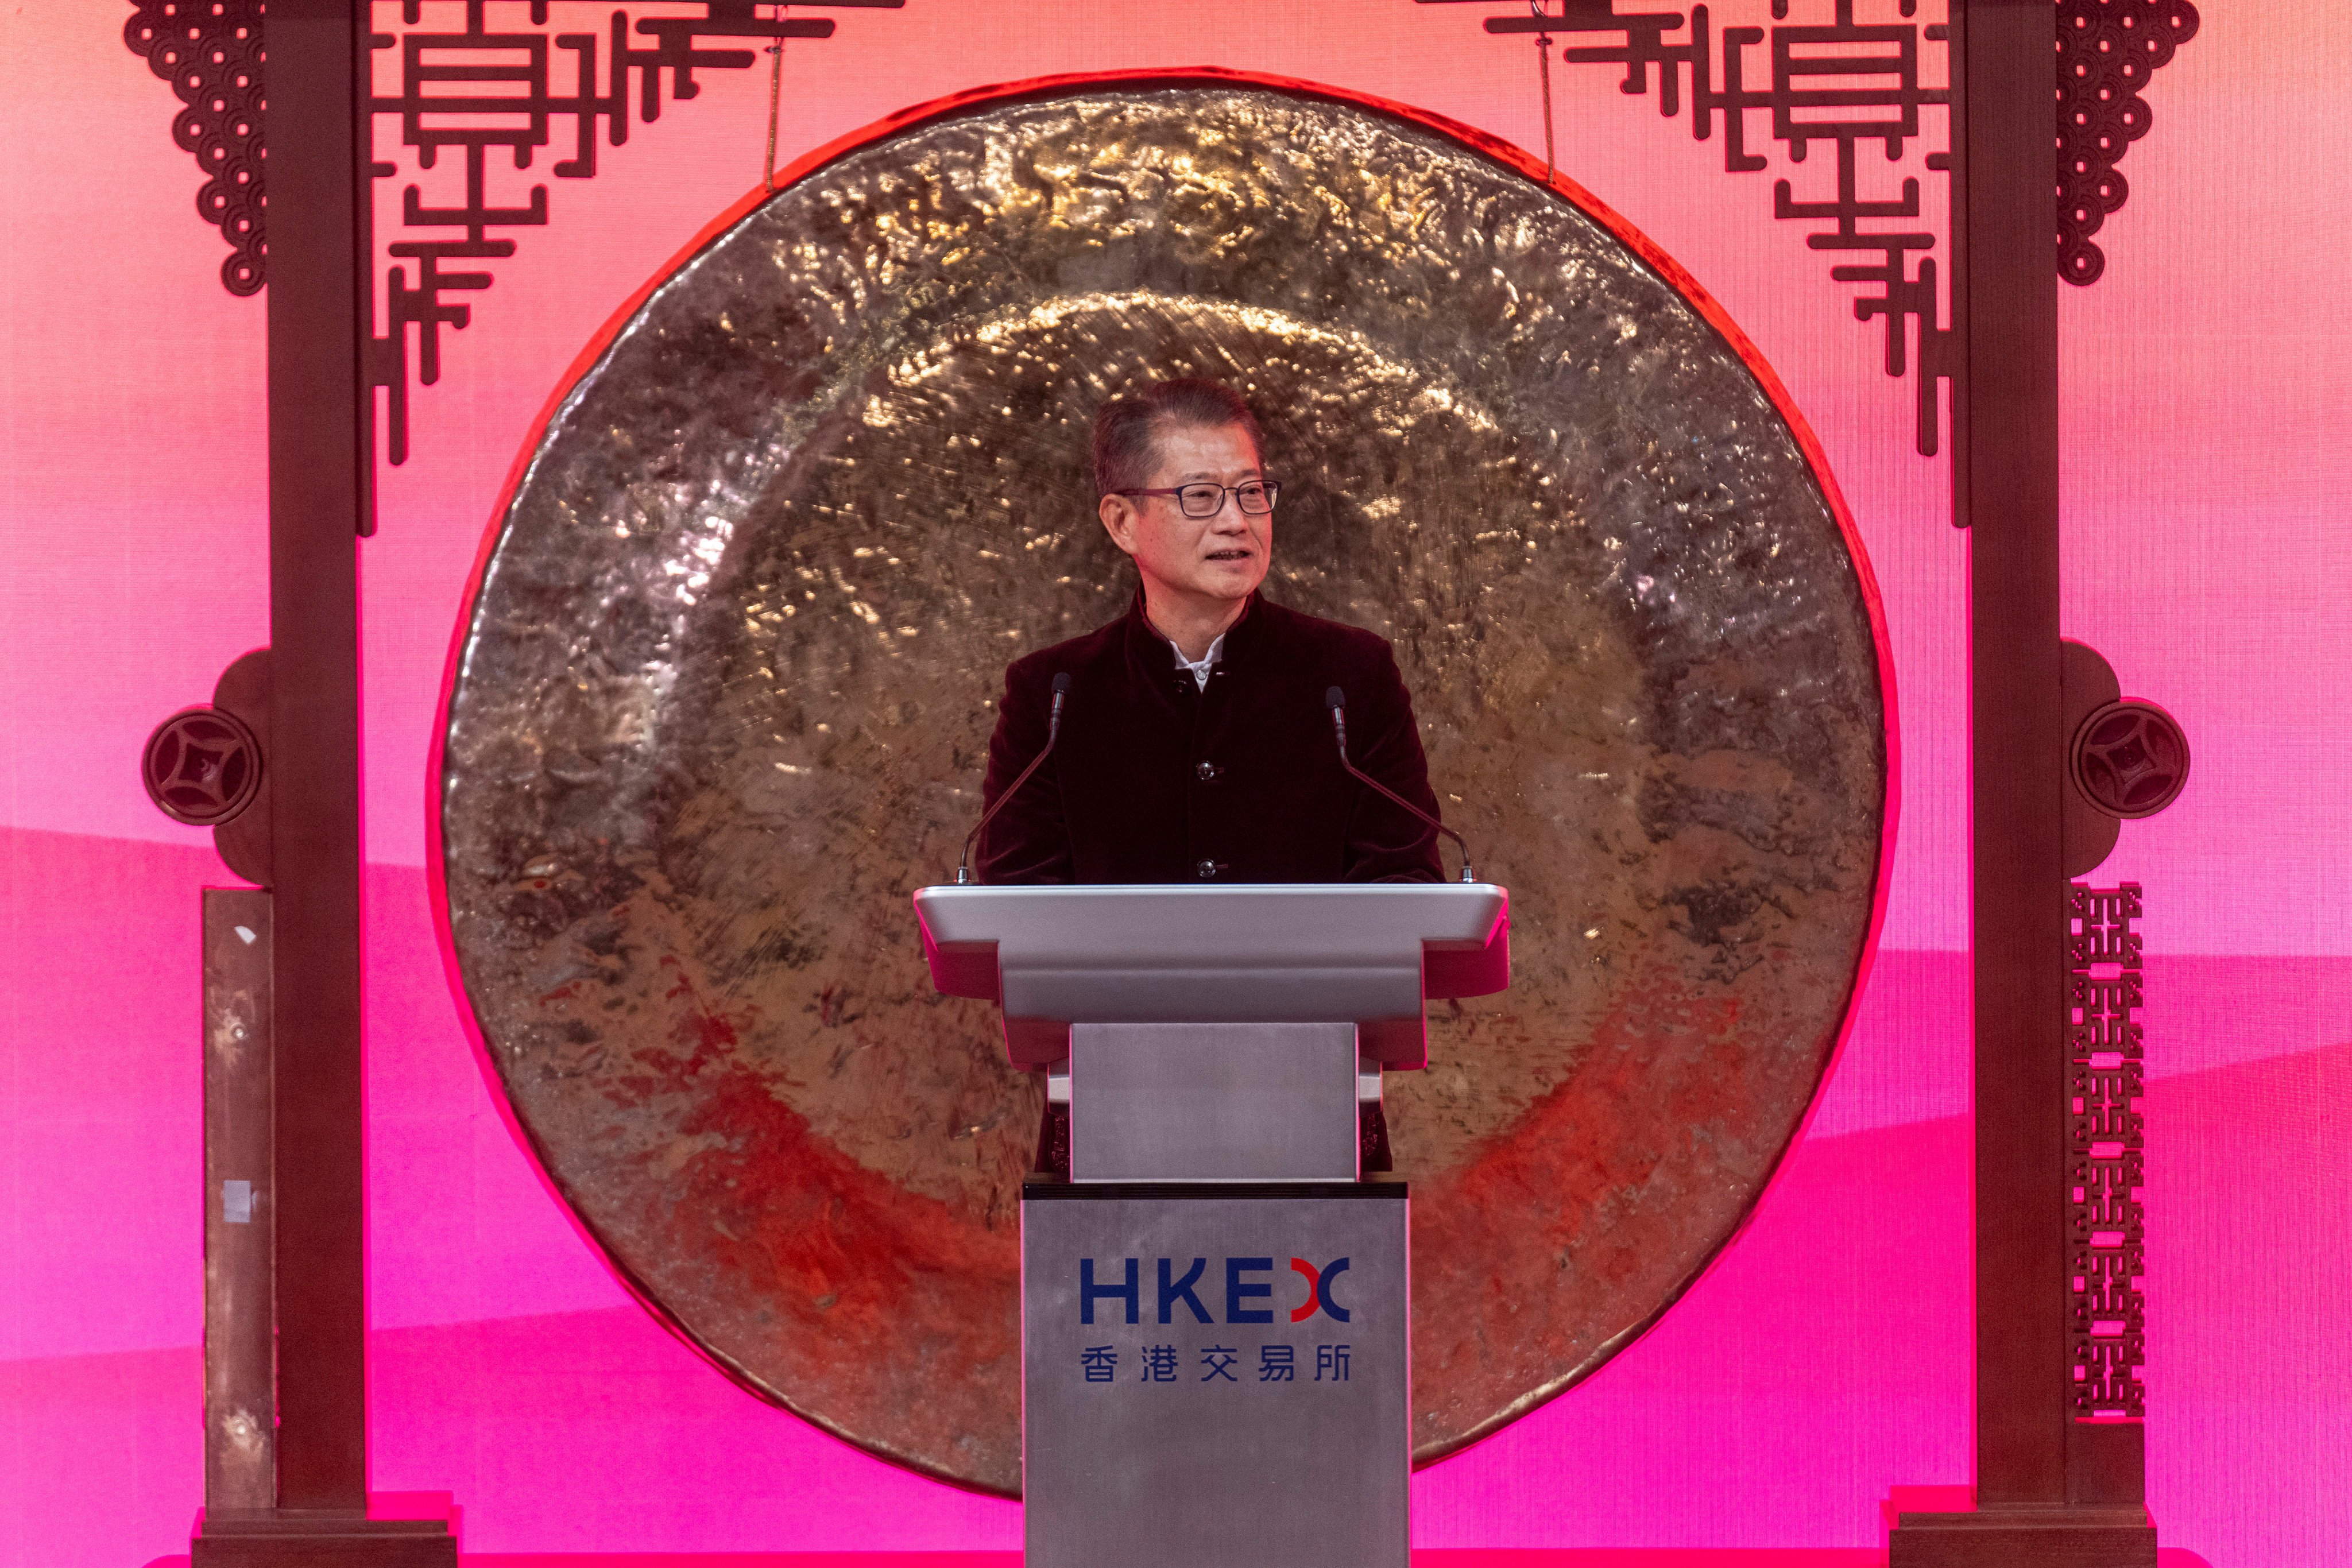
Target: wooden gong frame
{"points": [[2049, 1490]]}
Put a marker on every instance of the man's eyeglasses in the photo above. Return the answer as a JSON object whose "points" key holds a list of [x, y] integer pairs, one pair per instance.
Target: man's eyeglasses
{"points": [[1255, 499]]}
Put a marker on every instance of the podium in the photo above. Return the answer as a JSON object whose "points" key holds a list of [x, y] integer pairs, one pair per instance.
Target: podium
{"points": [[1215, 1311]]}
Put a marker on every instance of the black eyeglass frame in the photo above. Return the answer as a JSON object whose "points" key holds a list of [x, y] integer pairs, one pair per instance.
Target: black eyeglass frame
{"points": [[1273, 488]]}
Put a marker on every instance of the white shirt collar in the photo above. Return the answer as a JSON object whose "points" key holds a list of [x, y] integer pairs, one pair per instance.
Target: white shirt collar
{"points": [[1201, 668]]}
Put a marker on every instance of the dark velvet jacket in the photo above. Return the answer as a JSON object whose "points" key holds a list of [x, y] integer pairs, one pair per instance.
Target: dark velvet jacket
{"points": [[1156, 780]]}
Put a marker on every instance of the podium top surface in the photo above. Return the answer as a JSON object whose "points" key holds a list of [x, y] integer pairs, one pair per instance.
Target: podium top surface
{"points": [[1333, 952], [1247, 925]]}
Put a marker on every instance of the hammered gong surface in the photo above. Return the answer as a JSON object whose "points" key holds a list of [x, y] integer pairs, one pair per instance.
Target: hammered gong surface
{"points": [[723, 694]]}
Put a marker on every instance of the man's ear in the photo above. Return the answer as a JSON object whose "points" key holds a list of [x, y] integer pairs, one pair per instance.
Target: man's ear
{"points": [[1119, 521]]}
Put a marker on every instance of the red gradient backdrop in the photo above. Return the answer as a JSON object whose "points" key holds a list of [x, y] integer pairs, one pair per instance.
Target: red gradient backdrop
{"points": [[1822, 1362]]}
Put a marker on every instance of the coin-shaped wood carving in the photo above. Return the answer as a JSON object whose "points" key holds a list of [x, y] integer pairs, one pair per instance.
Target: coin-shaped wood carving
{"points": [[722, 688]]}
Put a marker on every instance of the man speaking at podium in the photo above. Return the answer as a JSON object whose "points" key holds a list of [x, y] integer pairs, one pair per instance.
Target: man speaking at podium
{"points": [[1195, 741]]}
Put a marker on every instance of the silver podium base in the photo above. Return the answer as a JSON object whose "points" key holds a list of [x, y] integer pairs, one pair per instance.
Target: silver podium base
{"points": [[1216, 1375]]}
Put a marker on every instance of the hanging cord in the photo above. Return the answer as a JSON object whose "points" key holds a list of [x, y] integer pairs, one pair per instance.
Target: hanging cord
{"points": [[775, 95], [1543, 76]]}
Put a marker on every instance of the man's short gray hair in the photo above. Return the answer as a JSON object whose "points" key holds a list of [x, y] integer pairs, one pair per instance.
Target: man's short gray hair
{"points": [[1126, 428]]}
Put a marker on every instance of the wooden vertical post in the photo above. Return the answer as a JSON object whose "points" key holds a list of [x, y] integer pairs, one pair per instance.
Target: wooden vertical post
{"points": [[316, 458], [2005, 480], [2009, 133], [319, 465]]}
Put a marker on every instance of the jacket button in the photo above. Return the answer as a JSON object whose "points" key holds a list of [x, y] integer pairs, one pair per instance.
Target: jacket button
{"points": [[1205, 771], [1207, 869]]}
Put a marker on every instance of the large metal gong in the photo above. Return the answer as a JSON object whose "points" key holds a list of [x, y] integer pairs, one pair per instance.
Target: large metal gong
{"points": [[721, 694]]}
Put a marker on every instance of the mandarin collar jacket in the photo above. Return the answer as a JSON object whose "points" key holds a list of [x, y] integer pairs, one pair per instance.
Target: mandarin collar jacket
{"points": [[1157, 779]]}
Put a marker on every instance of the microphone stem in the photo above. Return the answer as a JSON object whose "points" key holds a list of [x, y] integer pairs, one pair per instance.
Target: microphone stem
{"points": [[1053, 733], [1340, 730], [1468, 873]]}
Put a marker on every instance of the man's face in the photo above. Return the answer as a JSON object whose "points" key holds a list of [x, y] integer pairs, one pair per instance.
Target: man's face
{"points": [[1222, 558]]}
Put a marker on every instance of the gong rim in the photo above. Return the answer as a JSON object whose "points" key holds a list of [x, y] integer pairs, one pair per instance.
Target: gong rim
{"points": [[1485, 145]]}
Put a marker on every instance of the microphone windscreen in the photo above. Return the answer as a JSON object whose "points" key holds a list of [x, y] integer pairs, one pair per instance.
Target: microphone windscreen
{"points": [[1333, 697], [1062, 684]]}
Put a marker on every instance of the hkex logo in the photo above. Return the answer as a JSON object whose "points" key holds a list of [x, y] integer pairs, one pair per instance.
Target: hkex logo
{"points": [[1240, 1289]]}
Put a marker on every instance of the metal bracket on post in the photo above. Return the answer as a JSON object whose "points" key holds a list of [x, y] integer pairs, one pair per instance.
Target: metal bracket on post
{"points": [[240, 1265]]}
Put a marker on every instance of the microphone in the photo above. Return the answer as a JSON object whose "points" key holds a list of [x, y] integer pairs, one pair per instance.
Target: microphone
{"points": [[1053, 733], [1337, 701]]}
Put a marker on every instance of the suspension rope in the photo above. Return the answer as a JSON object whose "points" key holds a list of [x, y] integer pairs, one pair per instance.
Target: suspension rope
{"points": [[775, 95], [1543, 78]]}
